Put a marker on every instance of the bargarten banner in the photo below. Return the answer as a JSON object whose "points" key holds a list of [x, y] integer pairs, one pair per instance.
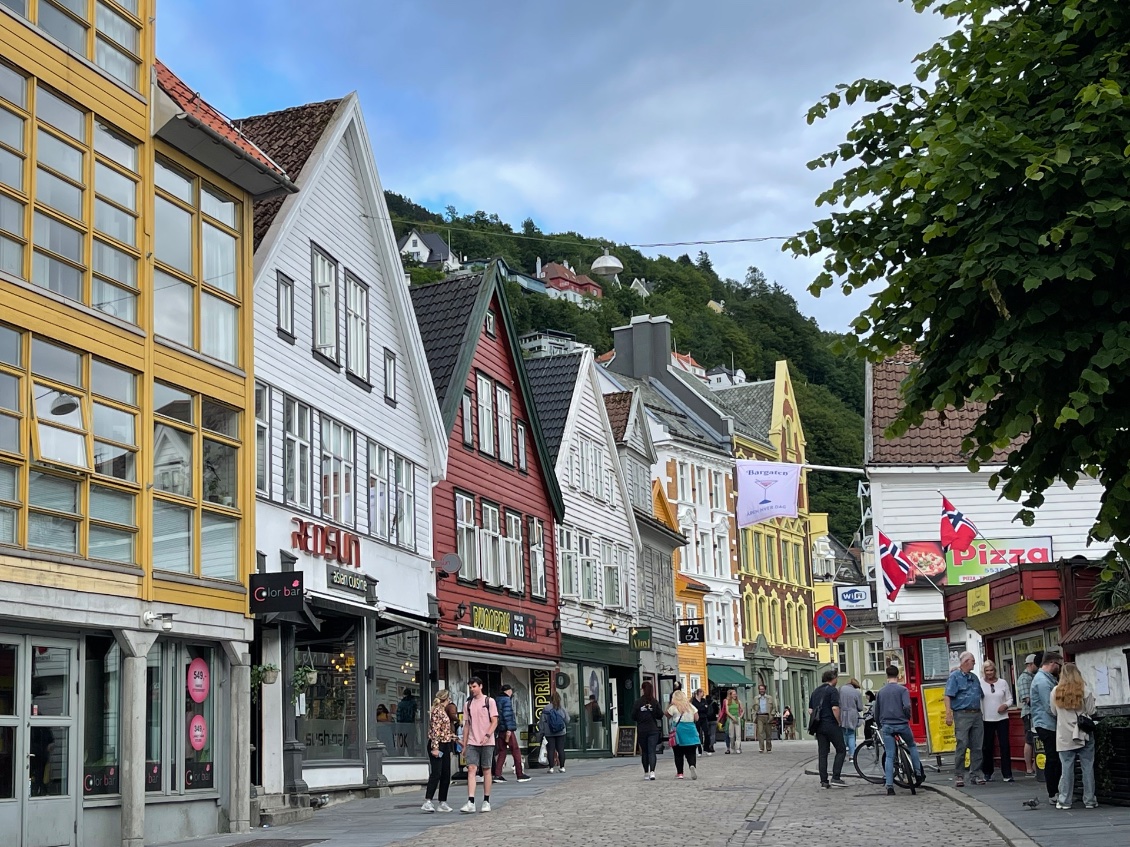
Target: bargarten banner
{"points": [[766, 490]]}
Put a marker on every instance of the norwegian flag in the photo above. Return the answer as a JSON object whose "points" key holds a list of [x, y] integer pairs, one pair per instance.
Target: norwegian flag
{"points": [[896, 567], [957, 531]]}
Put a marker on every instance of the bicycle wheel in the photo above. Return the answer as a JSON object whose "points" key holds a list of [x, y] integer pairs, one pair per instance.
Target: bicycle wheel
{"points": [[868, 760], [905, 777]]}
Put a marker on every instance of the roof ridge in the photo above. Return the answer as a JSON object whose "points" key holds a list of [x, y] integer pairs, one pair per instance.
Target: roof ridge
{"points": [[333, 100]]}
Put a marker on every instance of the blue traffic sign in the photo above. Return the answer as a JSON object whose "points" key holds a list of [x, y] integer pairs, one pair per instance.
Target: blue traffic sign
{"points": [[829, 621]]}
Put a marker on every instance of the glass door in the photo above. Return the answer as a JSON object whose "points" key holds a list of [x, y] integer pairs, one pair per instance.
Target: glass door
{"points": [[11, 750]]}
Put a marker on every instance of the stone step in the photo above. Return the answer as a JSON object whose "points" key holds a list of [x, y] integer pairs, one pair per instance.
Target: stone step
{"points": [[286, 815]]}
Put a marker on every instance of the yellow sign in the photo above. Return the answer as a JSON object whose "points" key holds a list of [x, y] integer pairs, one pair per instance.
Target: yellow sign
{"points": [[977, 601], [1012, 616], [939, 737]]}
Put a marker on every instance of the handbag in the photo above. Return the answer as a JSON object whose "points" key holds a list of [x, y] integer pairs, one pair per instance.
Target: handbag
{"points": [[814, 721], [543, 753], [1088, 723]]}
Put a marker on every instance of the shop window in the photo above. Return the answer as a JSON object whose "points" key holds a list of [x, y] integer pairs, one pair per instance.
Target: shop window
{"points": [[585, 698], [181, 734], [402, 707], [328, 717], [103, 714]]}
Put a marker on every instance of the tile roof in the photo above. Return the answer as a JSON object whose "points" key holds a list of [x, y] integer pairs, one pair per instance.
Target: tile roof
{"points": [[671, 414], [751, 406], [686, 360], [619, 407], [289, 136], [935, 442], [443, 310], [605, 358], [1100, 627], [193, 105], [556, 270], [553, 379], [438, 248], [686, 583]]}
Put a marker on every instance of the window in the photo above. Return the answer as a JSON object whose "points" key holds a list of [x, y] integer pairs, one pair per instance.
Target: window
{"points": [[721, 556], [296, 453], [705, 553], [262, 439], [466, 413], [588, 567], [490, 543], [84, 253], [405, 523], [466, 536], [284, 304], [199, 289], [512, 576], [567, 560], [390, 376], [749, 625], [378, 490], [711, 621], [357, 329], [323, 273], [876, 657], [683, 482], [763, 616], [330, 726], [195, 517], [486, 414], [775, 621], [537, 558], [771, 556], [489, 324], [717, 491], [505, 426], [790, 624], [523, 458], [700, 486], [614, 562], [726, 611], [798, 564], [841, 657], [337, 472], [803, 625]]}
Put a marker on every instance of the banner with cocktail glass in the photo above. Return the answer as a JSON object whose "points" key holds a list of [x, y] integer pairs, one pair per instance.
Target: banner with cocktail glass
{"points": [[766, 490]]}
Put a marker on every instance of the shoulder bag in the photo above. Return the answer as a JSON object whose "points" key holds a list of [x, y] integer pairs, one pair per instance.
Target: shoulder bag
{"points": [[1088, 723], [815, 720]]}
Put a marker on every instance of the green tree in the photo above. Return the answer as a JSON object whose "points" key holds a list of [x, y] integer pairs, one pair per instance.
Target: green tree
{"points": [[988, 206]]}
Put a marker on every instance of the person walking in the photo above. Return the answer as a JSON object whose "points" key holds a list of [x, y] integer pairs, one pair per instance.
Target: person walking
{"points": [[1044, 722], [963, 713], [552, 724], [892, 714], [480, 720], [698, 700], [788, 723], [996, 700], [1070, 698], [732, 714], [507, 737], [441, 743], [824, 712], [647, 713], [765, 707], [1024, 700], [682, 714], [851, 704], [713, 713]]}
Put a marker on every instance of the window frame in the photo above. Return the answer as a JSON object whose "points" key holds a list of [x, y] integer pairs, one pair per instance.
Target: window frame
{"points": [[263, 430], [513, 566], [567, 571], [347, 462], [504, 424], [357, 323], [377, 461], [876, 657], [538, 581], [404, 492], [484, 396], [390, 387], [590, 578], [329, 354], [490, 542], [522, 457], [467, 534], [467, 411], [284, 318], [841, 657]]}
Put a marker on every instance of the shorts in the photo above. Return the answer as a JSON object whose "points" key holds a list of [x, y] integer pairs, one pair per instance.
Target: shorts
{"points": [[1029, 735], [481, 757]]}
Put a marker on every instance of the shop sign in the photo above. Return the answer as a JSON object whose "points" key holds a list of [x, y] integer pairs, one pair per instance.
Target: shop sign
{"points": [[326, 542], [199, 682], [541, 688], [276, 592], [691, 633], [940, 738], [640, 638], [853, 596], [346, 580], [977, 600], [1013, 616], [197, 732], [930, 567], [100, 780], [504, 622]]}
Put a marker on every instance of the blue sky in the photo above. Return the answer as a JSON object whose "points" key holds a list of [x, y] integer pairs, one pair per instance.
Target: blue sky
{"points": [[641, 122]]}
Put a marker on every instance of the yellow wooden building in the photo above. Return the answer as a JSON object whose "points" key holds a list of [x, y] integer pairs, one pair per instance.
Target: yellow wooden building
{"points": [[127, 457]]}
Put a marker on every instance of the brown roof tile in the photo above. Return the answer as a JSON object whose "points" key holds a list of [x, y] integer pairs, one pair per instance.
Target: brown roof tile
{"points": [[1100, 627], [935, 442], [289, 136], [619, 407]]}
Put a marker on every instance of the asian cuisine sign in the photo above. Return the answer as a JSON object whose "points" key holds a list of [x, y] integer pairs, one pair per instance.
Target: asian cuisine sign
{"points": [[930, 566]]}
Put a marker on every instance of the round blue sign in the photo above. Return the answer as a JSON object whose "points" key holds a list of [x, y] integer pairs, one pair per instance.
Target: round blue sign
{"points": [[830, 622]]}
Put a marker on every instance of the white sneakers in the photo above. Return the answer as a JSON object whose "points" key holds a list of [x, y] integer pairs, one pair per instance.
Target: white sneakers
{"points": [[651, 775], [647, 776], [468, 808], [553, 770], [485, 807], [443, 807], [427, 807], [694, 773]]}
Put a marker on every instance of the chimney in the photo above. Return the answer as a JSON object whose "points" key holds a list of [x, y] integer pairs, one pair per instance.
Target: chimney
{"points": [[538, 272], [643, 347]]}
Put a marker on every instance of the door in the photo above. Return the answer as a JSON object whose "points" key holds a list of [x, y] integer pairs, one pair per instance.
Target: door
{"points": [[38, 736]]}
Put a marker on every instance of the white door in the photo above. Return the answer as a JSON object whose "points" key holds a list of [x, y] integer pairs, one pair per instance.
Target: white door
{"points": [[38, 737]]}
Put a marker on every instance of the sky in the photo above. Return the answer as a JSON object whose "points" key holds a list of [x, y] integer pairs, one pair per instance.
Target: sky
{"points": [[639, 121]]}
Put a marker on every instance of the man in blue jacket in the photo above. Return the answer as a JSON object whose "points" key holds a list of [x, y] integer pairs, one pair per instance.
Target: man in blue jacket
{"points": [[506, 738]]}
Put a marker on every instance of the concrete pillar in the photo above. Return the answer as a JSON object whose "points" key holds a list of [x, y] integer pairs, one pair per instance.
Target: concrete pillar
{"points": [[239, 783], [135, 648], [271, 717], [293, 783]]}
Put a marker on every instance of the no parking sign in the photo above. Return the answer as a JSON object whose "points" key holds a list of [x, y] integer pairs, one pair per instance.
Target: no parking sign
{"points": [[830, 622]]}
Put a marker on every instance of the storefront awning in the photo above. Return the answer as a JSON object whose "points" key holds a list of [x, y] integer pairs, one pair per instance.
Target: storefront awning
{"points": [[726, 675], [1021, 613], [497, 659]]}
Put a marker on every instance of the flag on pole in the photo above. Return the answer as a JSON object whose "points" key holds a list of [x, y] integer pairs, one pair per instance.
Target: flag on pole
{"points": [[766, 490], [957, 531], [896, 567]]}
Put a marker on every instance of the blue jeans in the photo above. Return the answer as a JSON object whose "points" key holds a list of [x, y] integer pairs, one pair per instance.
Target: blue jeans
{"points": [[849, 740], [891, 750], [1086, 755]]}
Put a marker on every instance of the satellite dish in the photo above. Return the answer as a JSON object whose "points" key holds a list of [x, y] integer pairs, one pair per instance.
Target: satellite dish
{"points": [[449, 564]]}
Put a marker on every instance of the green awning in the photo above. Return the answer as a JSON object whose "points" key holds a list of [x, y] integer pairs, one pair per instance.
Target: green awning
{"points": [[726, 675]]}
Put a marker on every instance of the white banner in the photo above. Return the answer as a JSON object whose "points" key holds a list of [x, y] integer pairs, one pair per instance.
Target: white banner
{"points": [[766, 490]]}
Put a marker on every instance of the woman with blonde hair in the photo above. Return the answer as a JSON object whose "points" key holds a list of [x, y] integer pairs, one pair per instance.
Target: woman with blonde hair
{"points": [[682, 715], [441, 742], [1070, 699]]}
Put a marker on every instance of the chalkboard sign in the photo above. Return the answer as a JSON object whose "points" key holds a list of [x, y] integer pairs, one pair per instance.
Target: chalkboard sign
{"points": [[626, 741]]}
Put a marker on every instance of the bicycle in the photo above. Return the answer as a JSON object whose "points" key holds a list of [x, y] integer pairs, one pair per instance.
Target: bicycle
{"points": [[870, 761]]}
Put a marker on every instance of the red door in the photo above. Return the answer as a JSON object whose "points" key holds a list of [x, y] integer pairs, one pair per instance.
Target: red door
{"points": [[912, 655]]}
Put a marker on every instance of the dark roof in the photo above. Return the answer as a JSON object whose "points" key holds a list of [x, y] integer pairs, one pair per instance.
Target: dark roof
{"points": [[619, 407], [289, 136], [863, 618], [936, 441], [644, 519], [1098, 628], [751, 406], [553, 379], [443, 310], [436, 245], [671, 413]]}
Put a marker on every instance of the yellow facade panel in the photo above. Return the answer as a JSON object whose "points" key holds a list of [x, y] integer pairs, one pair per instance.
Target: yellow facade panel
{"points": [[201, 596], [69, 577]]}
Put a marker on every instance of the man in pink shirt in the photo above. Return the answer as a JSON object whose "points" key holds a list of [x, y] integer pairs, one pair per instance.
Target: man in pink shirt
{"points": [[480, 720]]}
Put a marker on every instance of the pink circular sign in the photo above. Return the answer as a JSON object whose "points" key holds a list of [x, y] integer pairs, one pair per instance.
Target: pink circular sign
{"points": [[199, 680], [197, 733]]}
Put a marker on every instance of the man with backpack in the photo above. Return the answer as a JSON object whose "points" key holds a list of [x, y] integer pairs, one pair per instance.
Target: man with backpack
{"points": [[480, 720], [507, 737]]}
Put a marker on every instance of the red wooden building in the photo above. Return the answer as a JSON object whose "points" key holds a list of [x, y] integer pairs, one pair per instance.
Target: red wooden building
{"points": [[498, 506]]}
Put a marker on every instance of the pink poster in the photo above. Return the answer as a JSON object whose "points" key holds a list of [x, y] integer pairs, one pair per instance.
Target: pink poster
{"points": [[197, 733], [199, 680]]}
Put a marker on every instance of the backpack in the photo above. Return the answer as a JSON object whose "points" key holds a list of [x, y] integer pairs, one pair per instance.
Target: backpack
{"points": [[554, 721]]}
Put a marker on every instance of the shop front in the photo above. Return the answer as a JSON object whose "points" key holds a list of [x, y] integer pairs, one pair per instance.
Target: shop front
{"points": [[598, 684]]}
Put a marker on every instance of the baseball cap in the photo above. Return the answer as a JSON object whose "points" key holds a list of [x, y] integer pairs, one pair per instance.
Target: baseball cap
{"points": [[1030, 659]]}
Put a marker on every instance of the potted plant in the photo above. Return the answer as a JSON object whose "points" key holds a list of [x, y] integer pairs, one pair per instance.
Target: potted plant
{"points": [[304, 676], [266, 674]]}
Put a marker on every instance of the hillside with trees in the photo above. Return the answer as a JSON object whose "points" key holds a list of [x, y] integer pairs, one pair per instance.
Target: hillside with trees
{"points": [[759, 324]]}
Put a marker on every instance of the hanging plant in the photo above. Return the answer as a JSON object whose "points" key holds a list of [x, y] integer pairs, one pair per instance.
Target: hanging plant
{"points": [[261, 675]]}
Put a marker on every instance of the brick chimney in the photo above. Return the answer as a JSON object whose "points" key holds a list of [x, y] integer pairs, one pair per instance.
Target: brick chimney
{"points": [[643, 347]]}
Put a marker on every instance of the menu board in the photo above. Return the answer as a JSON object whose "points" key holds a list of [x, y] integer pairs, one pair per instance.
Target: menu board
{"points": [[935, 658]]}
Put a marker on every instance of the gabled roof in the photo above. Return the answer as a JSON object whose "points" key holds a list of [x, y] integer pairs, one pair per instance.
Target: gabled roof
{"points": [[752, 407], [553, 379], [289, 136], [619, 406], [451, 314], [670, 413], [438, 248]]}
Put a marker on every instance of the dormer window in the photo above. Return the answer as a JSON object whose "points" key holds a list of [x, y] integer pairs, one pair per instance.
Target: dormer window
{"points": [[489, 324]]}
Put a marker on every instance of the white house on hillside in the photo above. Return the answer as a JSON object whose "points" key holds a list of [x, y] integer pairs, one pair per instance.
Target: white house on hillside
{"points": [[429, 249]]}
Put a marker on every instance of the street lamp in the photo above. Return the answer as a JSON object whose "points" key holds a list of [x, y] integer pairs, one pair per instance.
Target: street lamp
{"points": [[607, 265]]}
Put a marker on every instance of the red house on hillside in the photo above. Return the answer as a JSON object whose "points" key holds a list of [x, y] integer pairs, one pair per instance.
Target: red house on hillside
{"points": [[499, 504], [564, 283]]}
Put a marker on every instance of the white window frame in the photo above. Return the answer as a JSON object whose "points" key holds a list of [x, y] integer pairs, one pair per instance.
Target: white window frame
{"points": [[704, 554], [390, 376], [505, 425], [466, 536], [297, 452], [490, 544], [284, 304], [263, 437], [590, 583], [404, 517], [323, 275], [586, 465], [490, 324], [721, 556], [338, 457], [717, 491], [485, 393], [612, 561], [567, 560], [379, 502], [467, 410], [876, 657], [357, 328], [537, 558], [682, 482], [512, 576], [523, 450], [700, 493]]}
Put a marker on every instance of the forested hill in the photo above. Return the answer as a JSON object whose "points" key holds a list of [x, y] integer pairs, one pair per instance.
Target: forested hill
{"points": [[759, 324]]}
